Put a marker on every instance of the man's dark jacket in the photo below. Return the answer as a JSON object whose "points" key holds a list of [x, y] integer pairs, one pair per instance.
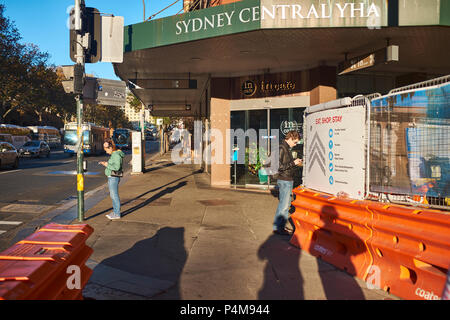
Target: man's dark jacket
{"points": [[287, 165]]}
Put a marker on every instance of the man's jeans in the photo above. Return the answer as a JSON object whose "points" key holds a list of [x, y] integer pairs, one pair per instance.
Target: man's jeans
{"points": [[282, 214], [113, 184]]}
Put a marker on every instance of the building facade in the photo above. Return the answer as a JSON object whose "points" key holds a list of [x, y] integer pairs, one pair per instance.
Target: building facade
{"points": [[257, 64]]}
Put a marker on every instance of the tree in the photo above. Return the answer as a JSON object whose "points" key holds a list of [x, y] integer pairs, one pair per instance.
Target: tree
{"points": [[134, 102], [106, 116], [29, 89]]}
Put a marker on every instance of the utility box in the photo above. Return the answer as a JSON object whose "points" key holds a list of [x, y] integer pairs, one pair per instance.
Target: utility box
{"points": [[137, 148]]}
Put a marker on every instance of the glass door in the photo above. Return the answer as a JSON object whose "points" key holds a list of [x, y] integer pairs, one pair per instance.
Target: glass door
{"points": [[248, 173], [283, 120]]}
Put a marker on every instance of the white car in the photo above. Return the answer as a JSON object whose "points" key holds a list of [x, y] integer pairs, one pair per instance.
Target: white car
{"points": [[8, 155]]}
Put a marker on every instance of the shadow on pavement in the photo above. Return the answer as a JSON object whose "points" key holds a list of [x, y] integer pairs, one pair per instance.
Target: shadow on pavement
{"points": [[162, 257], [159, 167], [145, 193], [144, 203], [282, 277], [154, 197]]}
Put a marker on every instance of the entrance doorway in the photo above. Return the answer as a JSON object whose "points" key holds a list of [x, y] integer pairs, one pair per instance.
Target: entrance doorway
{"points": [[283, 120]]}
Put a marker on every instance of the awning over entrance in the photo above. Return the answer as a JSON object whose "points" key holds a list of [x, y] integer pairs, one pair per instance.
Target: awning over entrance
{"points": [[172, 59]]}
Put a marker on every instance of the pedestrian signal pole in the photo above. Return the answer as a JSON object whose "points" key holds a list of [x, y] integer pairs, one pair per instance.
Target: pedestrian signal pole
{"points": [[88, 45], [79, 79]]}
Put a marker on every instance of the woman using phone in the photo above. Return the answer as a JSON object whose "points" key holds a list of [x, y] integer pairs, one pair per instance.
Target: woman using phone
{"points": [[113, 171]]}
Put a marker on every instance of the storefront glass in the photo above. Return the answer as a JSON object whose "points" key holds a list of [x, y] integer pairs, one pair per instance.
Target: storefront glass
{"points": [[284, 120]]}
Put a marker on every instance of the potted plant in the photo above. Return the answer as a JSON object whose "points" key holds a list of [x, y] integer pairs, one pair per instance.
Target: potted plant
{"points": [[257, 168]]}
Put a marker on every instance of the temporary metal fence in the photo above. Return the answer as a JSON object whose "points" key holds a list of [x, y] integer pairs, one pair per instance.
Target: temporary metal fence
{"points": [[406, 146], [410, 144]]}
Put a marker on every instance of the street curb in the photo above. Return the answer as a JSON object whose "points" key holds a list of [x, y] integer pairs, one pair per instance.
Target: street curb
{"points": [[108, 283], [67, 213]]}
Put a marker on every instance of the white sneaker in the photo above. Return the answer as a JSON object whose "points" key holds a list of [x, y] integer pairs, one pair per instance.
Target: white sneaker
{"points": [[112, 217]]}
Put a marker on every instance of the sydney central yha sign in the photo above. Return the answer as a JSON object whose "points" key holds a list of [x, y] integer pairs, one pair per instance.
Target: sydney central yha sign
{"points": [[249, 15], [276, 14]]}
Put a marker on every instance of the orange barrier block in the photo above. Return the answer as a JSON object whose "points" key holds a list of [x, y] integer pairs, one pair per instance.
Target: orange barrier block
{"points": [[333, 229], [411, 247], [403, 250], [38, 267]]}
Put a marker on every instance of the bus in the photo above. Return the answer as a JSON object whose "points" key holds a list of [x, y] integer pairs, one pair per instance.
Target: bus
{"points": [[15, 135], [122, 138], [48, 134], [93, 138]]}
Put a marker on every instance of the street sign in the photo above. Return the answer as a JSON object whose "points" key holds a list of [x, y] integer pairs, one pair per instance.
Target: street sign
{"points": [[112, 39], [358, 64], [111, 92], [384, 55]]}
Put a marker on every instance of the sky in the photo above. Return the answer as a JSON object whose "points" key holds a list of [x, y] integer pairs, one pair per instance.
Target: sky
{"points": [[44, 23]]}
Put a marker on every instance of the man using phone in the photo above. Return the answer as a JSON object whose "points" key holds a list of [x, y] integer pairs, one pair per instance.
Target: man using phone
{"points": [[285, 181]]}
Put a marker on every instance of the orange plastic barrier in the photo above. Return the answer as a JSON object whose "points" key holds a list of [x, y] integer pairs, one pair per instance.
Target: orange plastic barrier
{"points": [[41, 266], [411, 246], [403, 250], [333, 229]]}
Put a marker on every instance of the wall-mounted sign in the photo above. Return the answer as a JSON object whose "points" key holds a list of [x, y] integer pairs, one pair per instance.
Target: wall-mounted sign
{"points": [[248, 88], [388, 54], [267, 87], [332, 13], [287, 126], [250, 15], [358, 64]]}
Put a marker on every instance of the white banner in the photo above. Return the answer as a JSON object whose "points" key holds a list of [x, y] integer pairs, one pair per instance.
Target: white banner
{"points": [[334, 156]]}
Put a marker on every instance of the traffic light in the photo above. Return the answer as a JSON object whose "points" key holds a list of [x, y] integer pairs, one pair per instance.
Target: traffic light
{"points": [[91, 33], [92, 25]]}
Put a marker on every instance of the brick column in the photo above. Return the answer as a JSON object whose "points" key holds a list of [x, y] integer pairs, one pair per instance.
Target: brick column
{"points": [[322, 83]]}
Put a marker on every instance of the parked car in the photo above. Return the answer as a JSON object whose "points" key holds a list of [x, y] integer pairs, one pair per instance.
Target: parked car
{"points": [[34, 148], [8, 155]]}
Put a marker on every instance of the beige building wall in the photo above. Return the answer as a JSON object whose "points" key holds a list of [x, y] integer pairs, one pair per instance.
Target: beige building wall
{"points": [[132, 115], [220, 121]]}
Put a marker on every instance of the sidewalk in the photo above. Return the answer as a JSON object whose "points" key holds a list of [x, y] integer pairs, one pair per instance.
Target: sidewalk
{"points": [[181, 239]]}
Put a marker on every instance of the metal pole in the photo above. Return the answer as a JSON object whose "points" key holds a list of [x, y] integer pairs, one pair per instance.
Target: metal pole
{"points": [[142, 120], [235, 174], [79, 98]]}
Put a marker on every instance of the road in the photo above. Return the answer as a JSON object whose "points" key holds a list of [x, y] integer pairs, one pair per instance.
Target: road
{"points": [[41, 185]]}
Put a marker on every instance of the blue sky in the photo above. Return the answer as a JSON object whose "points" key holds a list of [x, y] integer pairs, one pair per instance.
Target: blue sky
{"points": [[44, 23]]}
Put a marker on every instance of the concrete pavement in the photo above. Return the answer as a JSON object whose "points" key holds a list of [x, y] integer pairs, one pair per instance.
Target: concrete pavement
{"points": [[181, 239]]}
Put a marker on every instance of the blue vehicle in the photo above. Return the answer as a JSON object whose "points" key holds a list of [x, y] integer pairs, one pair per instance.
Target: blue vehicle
{"points": [[93, 138], [122, 138]]}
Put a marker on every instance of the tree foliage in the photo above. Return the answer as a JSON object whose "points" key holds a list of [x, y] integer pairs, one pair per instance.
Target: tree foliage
{"points": [[107, 116], [30, 91]]}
